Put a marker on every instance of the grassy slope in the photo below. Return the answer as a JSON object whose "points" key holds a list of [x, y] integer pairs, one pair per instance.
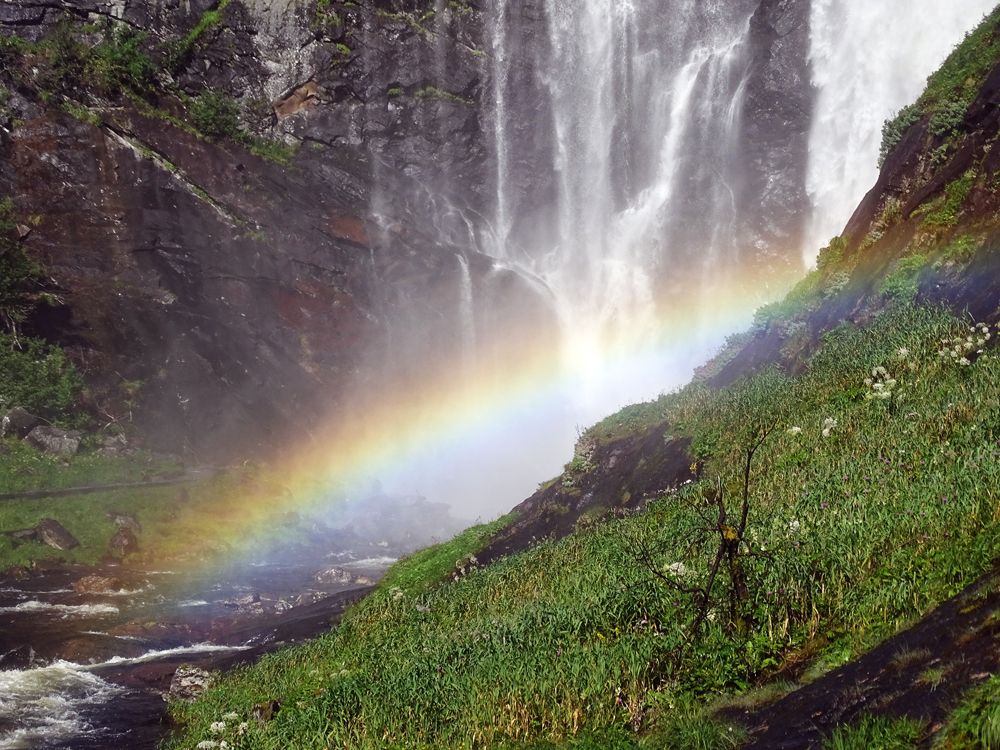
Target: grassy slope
{"points": [[864, 512]]}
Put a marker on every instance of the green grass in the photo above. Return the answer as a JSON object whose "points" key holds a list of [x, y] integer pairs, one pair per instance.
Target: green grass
{"points": [[860, 531], [975, 722], [876, 733]]}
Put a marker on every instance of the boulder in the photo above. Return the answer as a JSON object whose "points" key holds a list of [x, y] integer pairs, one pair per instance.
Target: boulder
{"points": [[99, 585], [18, 422], [55, 441], [125, 521], [52, 533], [339, 575], [188, 683], [123, 542]]}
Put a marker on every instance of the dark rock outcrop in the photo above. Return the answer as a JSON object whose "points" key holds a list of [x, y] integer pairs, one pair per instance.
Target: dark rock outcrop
{"points": [[125, 521]]}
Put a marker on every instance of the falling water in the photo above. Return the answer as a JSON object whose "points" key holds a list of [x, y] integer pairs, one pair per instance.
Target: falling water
{"points": [[466, 314], [869, 60], [645, 113]]}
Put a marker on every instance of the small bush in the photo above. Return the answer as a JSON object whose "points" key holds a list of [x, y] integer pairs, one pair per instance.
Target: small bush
{"points": [[216, 114], [894, 129], [832, 254], [36, 376], [118, 64], [946, 214], [948, 117]]}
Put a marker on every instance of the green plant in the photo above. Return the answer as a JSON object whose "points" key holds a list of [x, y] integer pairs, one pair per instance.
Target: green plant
{"points": [[836, 284], [948, 117], [895, 128], [215, 113], [118, 64], [946, 213], [902, 283], [19, 274], [36, 376], [974, 724], [832, 254]]}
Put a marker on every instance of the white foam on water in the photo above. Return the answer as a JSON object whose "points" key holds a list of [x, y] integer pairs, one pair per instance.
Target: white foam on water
{"points": [[197, 648], [193, 603], [47, 703], [63, 610], [371, 562]]}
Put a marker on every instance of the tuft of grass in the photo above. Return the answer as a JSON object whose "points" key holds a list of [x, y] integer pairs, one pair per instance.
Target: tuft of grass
{"points": [[876, 733]]}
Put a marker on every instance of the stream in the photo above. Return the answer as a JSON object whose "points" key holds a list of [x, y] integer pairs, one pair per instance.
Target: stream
{"points": [[88, 670]]}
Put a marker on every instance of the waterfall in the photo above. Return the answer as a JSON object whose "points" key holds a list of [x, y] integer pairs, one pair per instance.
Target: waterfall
{"points": [[467, 320], [869, 60], [644, 109]]}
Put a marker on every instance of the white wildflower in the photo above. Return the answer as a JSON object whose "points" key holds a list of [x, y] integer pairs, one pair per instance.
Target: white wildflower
{"points": [[244, 725], [903, 352], [795, 430], [968, 344], [231, 716], [206, 745], [677, 569], [794, 527], [963, 361], [218, 727], [987, 335], [885, 394], [878, 387], [890, 383], [869, 382]]}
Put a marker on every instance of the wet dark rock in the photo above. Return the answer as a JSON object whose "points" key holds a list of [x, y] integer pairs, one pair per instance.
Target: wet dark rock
{"points": [[54, 440], [23, 535], [188, 683], [242, 601], [123, 542], [339, 575], [265, 711], [125, 521], [51, 532], [99, 585], [97, 649], [18, 422]]}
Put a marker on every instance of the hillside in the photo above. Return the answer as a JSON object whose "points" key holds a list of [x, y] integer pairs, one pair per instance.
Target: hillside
{"points": [[796, 548]]}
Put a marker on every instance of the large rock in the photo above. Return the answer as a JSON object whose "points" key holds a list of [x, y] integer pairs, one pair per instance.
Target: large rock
{"points": [[123, 543], [339, 575], [188, 683], [18, 422], [54, 440], [51, 532]]}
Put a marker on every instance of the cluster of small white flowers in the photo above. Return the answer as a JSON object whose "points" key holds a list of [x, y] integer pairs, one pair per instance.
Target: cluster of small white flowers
{"points": [[218, 727], [396, 593], [794, 430], [828, 425], [903, 352], [231, 716], [882, 384], [958, 347], [677, 569], [794, 527], [207, 745]]}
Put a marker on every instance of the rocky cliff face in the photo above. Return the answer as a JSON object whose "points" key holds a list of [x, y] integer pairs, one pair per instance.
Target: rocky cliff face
{"points": [[248, 295]]}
